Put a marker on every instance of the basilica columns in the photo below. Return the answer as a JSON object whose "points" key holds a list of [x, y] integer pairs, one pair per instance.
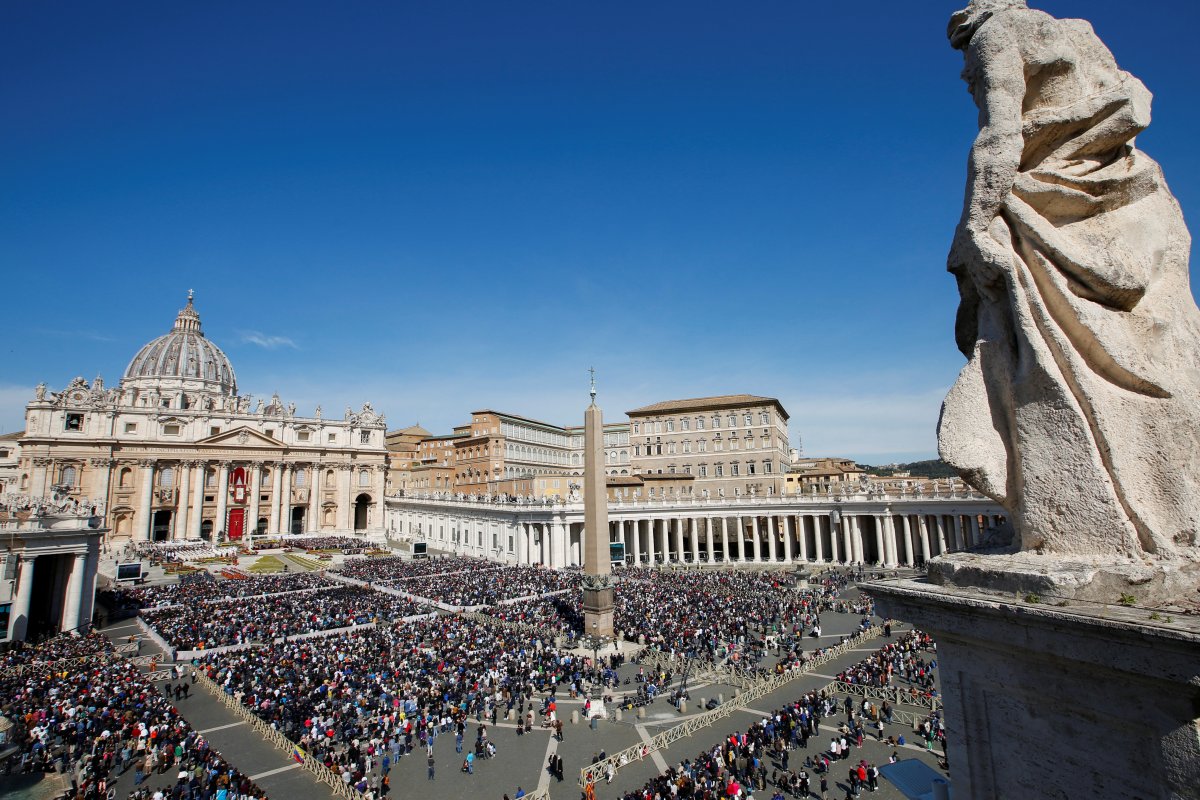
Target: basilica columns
{"points": [[18, 622], [285, 501], [219, 524], [70, 618], [197, 501], [252, 502], [145, 521], [179, 524]]}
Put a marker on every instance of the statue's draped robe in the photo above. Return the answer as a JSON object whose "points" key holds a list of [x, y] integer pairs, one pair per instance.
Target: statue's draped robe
{"points": [[1079, 409]]}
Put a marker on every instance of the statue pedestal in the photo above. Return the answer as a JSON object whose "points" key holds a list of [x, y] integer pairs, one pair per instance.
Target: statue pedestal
{"points": [[1080, 700]]}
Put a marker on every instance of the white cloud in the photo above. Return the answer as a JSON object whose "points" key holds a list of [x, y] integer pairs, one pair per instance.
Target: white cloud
{"points": [[265, 341]]}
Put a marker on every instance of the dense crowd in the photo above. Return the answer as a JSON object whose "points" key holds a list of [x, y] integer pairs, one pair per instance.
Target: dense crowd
{"points": [[101, 719], [199, 591], [759, 759], [713, 613], [351, 543], [203, 625], [479, 588], [389, 568], [349, 698]]}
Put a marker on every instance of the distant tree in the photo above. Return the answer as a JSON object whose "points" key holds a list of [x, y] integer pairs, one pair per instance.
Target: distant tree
{"points": [[930, 468]]}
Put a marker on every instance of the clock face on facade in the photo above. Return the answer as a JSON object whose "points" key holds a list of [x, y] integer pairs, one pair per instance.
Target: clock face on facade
{"points": [[77, 397]]}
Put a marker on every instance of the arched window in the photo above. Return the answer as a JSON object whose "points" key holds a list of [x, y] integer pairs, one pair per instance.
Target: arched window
{"points": [[67, 477], [125, 478], [330, 480], [166, 477], [301, 477]]}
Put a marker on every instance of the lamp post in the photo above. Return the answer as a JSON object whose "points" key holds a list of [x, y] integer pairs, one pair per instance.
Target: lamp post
{"points": [[595, 651]]}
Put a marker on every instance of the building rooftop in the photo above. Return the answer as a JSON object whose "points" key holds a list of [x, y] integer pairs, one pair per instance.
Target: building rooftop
{"points": [[706, 403]]}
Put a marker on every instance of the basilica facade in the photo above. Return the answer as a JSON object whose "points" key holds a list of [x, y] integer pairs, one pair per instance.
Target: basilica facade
{"points": [[173, 452]]}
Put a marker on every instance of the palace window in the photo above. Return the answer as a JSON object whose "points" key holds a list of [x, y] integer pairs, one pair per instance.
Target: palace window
{"points": [[716, 421], [303, 436], [732, 420], [214, 430], [171, 429], [750, 469], [364, 437], [67, 476], [332, 438], [131, 427], [720, 470], [748, 419], [766, 418], [636, 428], [767, 467], [703, 446], [703, 470], [734, 470], [684, 424], [670, 425], [687, 446]]}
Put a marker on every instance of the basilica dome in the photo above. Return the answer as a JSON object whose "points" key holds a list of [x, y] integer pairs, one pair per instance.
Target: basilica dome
{"points": [[183, 355]]}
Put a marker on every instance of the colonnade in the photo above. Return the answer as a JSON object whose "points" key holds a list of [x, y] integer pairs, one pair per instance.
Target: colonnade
{"points": [[906, 534], [72, 586]]}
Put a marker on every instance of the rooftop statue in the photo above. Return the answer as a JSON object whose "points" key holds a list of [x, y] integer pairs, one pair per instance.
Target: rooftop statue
{"points": [[1078, 408]]}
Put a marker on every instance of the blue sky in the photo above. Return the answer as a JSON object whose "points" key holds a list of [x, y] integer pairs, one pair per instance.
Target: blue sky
{"points": [[446, 206]]}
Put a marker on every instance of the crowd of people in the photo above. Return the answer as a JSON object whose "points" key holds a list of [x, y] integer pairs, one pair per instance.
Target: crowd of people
{"points": [[351, 544], [760, 759], [390, 568], [481, 588], [349, 699], [207, 624], [102, 718], [205, 590]]}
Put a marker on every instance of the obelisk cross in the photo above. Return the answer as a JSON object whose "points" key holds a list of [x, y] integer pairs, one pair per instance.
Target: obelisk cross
{"points": [[592, 372]]}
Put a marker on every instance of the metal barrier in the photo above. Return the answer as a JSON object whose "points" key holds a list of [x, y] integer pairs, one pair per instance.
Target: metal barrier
{"points": [[894, 693], [910, 718], [322, 773], [592, 773]]}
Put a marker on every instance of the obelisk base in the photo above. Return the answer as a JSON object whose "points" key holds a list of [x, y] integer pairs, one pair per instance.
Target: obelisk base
{"points": [[1083, 700], [598, 612]]}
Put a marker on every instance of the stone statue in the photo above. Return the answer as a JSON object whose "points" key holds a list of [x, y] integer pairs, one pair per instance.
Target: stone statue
{"points": [[1077, 409], [40, 391], [318, 412]]}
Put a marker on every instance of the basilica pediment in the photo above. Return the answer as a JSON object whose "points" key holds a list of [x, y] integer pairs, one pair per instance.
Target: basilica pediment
{"points": [[242, 437]]}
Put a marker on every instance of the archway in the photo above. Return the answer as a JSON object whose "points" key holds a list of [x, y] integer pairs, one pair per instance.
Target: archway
{"points": [[362, 506], [260, 527], [206, 528], [161, 527], [297, 521]]}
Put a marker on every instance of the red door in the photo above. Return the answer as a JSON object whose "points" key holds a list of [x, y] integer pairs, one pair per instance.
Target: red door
{"points": [[237, 523]]}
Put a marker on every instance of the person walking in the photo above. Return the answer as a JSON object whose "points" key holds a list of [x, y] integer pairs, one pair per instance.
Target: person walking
{"points": [[428, 762]]}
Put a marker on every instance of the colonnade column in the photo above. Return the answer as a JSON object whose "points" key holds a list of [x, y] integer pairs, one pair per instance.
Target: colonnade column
{"points": [[523, 537], [344, 521], [847, 544], [145, 523], [276, 490], [380, 501], [219, 527], [772, 532], [725, 538], [880, 553], [818, 543], [801, 539], [976, 533], [197, 500], [179, 526], [789, 523], [637, 541], [88, 590], [939, 523], [285, 501], [678, 526], [313, 518], [906, 525], [18, 623], [70, 618], [252, 501], [923, 529]]}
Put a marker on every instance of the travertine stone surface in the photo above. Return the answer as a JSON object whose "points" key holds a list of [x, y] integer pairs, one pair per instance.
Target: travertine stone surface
{"points": [[1078, 408], [1048, 702]]}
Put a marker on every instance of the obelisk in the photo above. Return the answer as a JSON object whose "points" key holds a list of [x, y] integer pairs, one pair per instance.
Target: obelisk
{"points": [[597, 569]]}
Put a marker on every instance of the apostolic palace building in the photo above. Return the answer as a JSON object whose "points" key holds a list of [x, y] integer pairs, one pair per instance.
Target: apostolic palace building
{"points": [[174, 452]]}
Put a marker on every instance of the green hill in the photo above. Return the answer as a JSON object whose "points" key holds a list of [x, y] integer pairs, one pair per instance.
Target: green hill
{"points": [[931, 468]]}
